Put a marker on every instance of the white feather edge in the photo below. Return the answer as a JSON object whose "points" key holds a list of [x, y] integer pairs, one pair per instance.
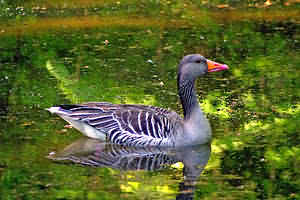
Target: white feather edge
{"points": [[79, 125], [53, 109]]}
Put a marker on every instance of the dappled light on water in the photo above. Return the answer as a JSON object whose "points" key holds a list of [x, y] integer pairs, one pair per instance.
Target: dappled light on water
{"points": [[65, 52], [190, 161]]}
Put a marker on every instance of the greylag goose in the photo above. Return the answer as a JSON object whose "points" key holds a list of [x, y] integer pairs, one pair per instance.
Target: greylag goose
{"points": [[140, 125]]}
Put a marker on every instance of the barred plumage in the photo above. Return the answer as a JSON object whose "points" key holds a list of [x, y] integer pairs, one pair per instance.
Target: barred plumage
{"points": [[139, 125]]}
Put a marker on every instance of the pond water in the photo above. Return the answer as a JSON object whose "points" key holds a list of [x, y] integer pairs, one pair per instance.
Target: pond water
{"points": [[127, 52]]}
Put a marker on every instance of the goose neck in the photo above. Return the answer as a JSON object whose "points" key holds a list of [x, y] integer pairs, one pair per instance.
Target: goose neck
{"points": [[188, 98]]}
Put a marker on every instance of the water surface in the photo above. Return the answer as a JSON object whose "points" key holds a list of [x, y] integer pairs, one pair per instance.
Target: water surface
{"points": [[127, 52]]}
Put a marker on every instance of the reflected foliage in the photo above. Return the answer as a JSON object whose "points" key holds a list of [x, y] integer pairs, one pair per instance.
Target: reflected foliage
{"points": [[53, 53], [93, 153]]}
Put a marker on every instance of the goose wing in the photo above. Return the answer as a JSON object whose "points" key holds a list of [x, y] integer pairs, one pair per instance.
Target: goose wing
{"points": [[136, 125]]}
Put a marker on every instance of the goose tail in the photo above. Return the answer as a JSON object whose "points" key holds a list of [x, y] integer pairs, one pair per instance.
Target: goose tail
{"points": [[57, 110]]}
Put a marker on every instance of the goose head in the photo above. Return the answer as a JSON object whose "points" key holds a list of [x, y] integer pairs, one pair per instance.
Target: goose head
{"points": [[191, 67], [195, 65]]}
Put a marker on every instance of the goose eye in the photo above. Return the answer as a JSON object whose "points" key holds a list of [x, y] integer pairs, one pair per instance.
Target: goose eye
{"points": [[198, 61]]}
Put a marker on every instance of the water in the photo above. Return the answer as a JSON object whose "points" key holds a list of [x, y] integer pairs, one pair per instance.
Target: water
{"points": [[127, 52], [90, 152]]}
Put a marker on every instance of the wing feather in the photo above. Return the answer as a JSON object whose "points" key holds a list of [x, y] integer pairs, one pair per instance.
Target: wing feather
{"points": [[124, 124]]}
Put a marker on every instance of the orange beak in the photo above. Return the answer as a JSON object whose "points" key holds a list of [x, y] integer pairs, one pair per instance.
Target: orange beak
{"points": [[215, 67]]}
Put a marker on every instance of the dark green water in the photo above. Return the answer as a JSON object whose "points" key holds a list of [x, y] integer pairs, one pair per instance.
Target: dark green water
{"points": [[128, 53]]}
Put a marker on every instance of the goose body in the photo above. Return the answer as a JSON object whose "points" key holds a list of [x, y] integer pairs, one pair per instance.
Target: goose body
{"points": [[140, 125]]}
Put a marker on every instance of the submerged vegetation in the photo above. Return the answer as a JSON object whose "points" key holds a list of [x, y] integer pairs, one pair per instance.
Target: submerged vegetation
{"points": [[126, 52]]}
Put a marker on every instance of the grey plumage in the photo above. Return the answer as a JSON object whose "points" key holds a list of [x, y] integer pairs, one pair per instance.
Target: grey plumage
{"points": [[133, 125], [139, 125]]}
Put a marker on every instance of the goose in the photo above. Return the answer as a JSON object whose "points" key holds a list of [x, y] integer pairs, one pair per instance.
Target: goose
{"points": [[142, 125]]}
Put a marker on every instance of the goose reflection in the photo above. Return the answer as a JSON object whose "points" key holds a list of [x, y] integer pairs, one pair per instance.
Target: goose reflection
{"points": [[91, 152]]}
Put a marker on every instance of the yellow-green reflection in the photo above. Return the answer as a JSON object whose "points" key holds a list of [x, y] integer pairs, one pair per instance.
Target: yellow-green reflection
{"points": [[127, 52]]}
